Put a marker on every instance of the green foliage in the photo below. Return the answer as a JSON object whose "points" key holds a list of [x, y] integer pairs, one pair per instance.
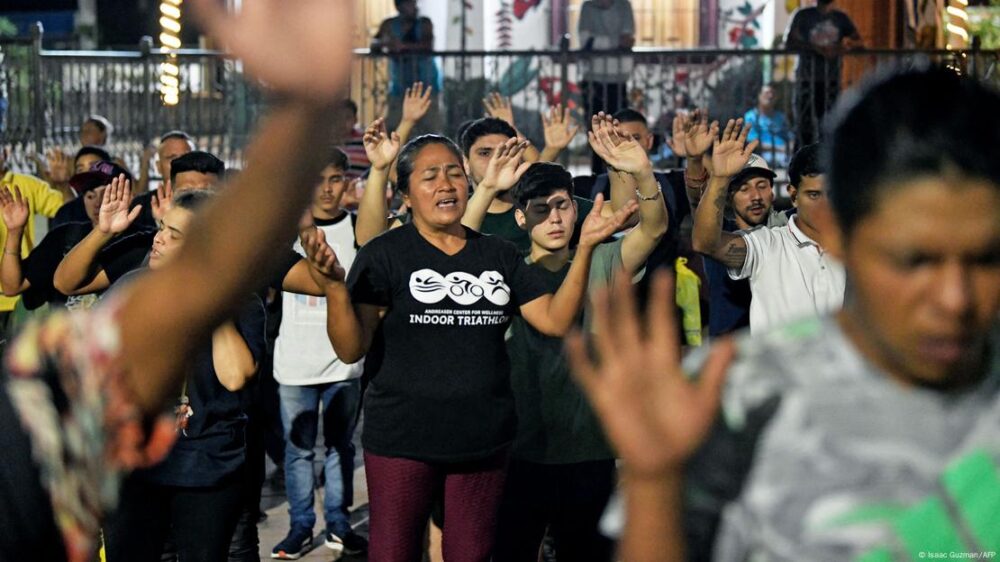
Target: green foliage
{"points": [[7, 28], [984, 22]]}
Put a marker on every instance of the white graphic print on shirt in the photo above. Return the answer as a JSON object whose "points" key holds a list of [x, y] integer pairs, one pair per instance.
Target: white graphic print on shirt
{"points": [[430, 287]]}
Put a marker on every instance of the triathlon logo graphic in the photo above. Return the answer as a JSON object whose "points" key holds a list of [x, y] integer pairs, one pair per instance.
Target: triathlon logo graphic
{"points": [[430, 287]]}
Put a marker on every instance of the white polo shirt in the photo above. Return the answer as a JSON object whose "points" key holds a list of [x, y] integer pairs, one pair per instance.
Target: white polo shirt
{"points": [[791, 277]]}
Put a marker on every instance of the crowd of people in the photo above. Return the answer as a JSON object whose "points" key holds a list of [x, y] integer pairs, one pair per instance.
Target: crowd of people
{"points": [[506, 335]]}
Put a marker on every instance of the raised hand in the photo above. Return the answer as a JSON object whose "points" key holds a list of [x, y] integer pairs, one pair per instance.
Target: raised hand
{"points": [[654, 415], [13, 208], [323, 264], [701, 134], [416, 102], [499, 106], [160, 202], [678, 137], [621, 152], [310, 62], [114, 216], [381, 147], [60, 166], [559, 127], [596, 228], [732, 152], [506, 166]]}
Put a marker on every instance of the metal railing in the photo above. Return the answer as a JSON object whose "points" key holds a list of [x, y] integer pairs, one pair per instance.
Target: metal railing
{"points": [[45, 95]]}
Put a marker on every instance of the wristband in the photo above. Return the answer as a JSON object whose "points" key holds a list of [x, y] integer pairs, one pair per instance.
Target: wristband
{"points": [[11, 252], [650, 198]]}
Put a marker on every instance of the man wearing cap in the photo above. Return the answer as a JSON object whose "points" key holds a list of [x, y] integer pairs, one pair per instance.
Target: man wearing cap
{"points": [[31, 278], [790, 274]]}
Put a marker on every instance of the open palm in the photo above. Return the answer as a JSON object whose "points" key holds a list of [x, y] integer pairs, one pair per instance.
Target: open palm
{"points": [[701, 134], [381, 147], [654, 415], [618, 150], [732, 152], [15, 208], [506, 166], [312, 62], [559, 127], [114, 216], [596, 228]]}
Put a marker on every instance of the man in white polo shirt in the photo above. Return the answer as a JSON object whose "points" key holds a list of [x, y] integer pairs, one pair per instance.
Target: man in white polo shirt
{"points": [[791, 276]]}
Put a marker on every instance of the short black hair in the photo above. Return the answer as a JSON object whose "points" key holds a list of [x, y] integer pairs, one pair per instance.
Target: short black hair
{"points": [[907, 124], [541, 179], [176, 134], [629, 115], [408, 156], [337, 158], [807, 161], [192, 199], [482, 127], [197, 161], [95, 150]]}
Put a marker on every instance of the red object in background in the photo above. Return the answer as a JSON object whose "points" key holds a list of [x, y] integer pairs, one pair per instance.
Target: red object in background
{"points": [[521, 7], [548, 86]]}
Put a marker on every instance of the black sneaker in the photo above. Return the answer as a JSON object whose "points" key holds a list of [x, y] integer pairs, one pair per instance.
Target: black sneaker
{"points": [[297, 543], [350, 544]]}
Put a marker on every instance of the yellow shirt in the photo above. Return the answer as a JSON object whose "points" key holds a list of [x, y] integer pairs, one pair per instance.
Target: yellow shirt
{"points": [[42, 200]]}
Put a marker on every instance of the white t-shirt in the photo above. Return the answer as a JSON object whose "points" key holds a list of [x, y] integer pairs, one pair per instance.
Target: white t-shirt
{"points": [[791, 277], [303, 354]]}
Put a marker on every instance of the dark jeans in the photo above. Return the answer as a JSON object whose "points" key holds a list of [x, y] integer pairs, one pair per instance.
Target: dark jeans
{"points": [[608, 97], [566, 499], [199, 520], [400, 495], [812, 100]]}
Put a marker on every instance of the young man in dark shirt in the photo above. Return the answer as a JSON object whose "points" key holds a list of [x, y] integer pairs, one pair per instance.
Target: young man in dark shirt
{"points": [[821, 34], [562, 471]]}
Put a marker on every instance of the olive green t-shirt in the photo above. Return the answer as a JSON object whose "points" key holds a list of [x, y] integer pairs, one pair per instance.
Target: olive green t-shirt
{"points": [[555, 424]]}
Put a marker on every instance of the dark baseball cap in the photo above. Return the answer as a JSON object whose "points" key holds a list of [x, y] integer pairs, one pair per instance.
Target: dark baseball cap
{"points": [[101, 173]]}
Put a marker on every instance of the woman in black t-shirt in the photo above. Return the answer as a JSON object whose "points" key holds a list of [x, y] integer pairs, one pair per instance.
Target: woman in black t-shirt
{"points": [[429, 303]]}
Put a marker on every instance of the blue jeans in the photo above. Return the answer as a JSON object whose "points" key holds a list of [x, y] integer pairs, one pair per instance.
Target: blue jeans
{"points": [[300, 417]]}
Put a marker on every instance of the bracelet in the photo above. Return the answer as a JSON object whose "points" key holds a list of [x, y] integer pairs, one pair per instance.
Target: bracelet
{"points": [[650, 198], [11, 252]]}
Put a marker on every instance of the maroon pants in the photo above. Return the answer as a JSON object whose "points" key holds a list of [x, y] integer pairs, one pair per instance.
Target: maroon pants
{"points": [[400, 496]]}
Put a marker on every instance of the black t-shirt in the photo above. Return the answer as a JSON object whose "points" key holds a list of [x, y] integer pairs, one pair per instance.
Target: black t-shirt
{"points": [[125, 254], [74, 211], [823, 30], [40, 266], [214, 446], [145, 220], [440, 375]]}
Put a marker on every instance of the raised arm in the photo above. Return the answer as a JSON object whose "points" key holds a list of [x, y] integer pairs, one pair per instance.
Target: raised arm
{"points": [[622, 185], [231, 357], [416, 103], [504, 170], [560, 128], [373, 212], [289, 47], [654, 415], [500, 107], [698, 138], [78, 272], [350, 327], [15, 216], [554, 314], [731, 153], [626, 156]]}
